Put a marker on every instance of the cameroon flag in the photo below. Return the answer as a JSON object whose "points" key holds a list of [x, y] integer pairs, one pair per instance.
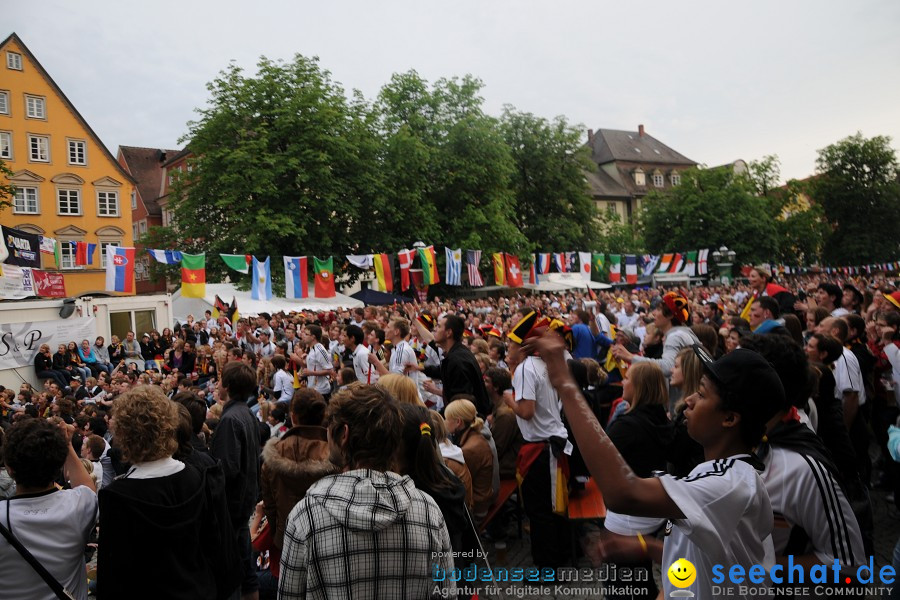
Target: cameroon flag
{"points": [[324, 277], [429, 266], [193, 275]]}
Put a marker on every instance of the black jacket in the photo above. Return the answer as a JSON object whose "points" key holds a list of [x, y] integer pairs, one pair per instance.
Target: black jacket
{"points": [[460, 374], [643, 436], [235, 444]]}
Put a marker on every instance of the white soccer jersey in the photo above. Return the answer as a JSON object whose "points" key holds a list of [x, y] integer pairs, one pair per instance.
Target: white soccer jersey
{"points": [[365, 373], [402, 355], [804, 494], [530, 382], [318, 360], [727, 521], [848, 377]]}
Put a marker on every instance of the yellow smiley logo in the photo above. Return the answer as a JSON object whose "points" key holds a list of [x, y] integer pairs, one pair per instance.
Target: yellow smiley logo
{"points": [[682, 573]]}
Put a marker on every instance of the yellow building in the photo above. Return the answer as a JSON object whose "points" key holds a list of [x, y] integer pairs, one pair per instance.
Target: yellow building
{"points": [[68, 185]]}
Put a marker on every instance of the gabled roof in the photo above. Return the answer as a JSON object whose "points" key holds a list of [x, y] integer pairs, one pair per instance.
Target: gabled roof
{"points": [[609, 145], [145, 165], [13, 37], [602, 185]]}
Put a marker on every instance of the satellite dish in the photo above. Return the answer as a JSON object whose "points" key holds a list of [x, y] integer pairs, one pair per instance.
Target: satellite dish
{"points": [[68, 308]]}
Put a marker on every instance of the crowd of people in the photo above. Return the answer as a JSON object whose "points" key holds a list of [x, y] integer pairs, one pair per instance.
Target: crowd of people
{"points": [[359, 453]]}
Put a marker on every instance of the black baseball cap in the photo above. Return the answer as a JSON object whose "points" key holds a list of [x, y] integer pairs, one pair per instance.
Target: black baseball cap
{"points": [[748, 379]]}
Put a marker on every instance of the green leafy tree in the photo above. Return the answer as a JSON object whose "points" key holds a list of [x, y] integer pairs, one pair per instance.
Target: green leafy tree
{"points": [[617, 237], [553, 207], [858, 189], [711, 207], [7, 189]]}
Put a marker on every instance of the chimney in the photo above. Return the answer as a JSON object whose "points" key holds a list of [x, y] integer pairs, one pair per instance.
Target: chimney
{"points": [[590, 136], [641, 130]]}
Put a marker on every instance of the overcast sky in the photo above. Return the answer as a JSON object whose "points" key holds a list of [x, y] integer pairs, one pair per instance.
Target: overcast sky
{"points": [[714, 80]]}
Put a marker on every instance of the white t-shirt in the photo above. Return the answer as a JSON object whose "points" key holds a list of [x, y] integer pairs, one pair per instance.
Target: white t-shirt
{"points": [[402, 355], [54, 526], [318, 360], [283, 382], [848, 377], [803, 493], [893, 355], [727, 521], [530, 382], [365, 373]]}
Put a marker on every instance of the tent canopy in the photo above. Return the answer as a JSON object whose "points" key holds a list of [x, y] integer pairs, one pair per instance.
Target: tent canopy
{"points": [[370, 296], [182, 307]]}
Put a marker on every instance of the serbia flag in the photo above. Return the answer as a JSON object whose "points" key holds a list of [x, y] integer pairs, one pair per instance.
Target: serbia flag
{"points": [[119, 269]]}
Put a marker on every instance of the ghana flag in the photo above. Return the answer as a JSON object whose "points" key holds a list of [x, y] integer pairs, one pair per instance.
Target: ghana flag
{"points": [[429, 266]]}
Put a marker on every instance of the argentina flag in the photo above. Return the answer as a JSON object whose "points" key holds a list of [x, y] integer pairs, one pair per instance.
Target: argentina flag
{"points": [[454, 266]]}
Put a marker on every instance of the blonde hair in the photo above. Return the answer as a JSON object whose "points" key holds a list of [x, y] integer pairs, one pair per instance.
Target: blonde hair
{"points": [[691, 372], [402, 388], [648, 385], [145, 421], [438, 426], [464, 410]]}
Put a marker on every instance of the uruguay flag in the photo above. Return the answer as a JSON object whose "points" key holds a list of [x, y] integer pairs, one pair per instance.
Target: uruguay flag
{"points": [[166, 257], [120, 269], [296, 284], [262, 281]]}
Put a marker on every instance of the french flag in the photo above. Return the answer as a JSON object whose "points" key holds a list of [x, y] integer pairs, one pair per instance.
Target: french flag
{"points": [[296, 283], [543, 263], [120, 269]]}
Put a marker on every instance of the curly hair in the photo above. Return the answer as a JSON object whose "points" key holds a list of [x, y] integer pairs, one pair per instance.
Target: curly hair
{"points": [[35, 450], [144, 424]]}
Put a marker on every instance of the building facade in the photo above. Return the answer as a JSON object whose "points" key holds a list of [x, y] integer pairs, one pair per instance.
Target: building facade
{"points": [[68, 185], [629, 165]]}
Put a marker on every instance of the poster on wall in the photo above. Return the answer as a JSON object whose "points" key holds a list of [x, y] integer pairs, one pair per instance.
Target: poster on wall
{"points": [[20, 342], [16, 283], [49, 285], [24, 248]]}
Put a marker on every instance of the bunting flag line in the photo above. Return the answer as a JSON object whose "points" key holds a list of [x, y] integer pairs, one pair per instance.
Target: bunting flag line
{"points": [[405, 258], [584, 263], [383, 272], [690, 264], [499, 269], [615, 268], [677, 263], [513, 271], [630, 269], [120, 269], [598, 266], [651, 265], [429, 266], [84, 253], [239, 262], [473, 257], [261, 283], [296, 281], [543, 263], [532, 272], [454, 266], [702, 266], [166, 257], [361, 261], [193, 275], [324, 277]]}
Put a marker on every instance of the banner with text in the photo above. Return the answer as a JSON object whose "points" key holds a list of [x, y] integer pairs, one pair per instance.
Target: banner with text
{"points": [[20, 342]]}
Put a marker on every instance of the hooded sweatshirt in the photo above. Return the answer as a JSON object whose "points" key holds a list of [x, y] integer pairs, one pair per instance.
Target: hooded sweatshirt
{"points": [[365, 534]]}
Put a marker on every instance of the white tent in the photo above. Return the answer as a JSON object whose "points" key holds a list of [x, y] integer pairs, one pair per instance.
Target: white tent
{"points": [[182, 307], [574, 281]]}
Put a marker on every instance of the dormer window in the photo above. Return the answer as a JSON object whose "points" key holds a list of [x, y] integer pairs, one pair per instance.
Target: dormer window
{"points": [[675, 178], [639, 178], [658, 179]]}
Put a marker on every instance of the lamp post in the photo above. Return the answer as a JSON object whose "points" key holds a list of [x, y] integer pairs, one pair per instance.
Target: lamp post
{"points": [[724, 259]]}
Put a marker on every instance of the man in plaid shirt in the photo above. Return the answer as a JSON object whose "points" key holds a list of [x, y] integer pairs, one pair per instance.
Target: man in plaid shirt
{"points": [[366, 532]]}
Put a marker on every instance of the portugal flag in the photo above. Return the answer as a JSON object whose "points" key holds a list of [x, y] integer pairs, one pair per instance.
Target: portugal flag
{"points": [[324, 278], [193, 275]]}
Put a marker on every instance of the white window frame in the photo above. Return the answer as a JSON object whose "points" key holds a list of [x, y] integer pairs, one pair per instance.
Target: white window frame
{"points": [[133, 200], [13, 61], [35, 198], [35, 107], [68, 192], [640, 178], [658, 180], [74, 143], [675, 178], [4, 102], [67, 256], [41, 158], [6, 142], [134, 231], [103, 197], [104, 244], [142, 227]]}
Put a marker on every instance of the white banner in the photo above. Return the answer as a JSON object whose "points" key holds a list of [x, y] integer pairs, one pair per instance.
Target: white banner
{"points": [[20, 342], [16, 282]]}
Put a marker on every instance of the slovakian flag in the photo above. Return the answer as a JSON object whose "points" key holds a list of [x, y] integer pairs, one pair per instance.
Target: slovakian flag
{"points": [[615, 268], [166, 257], [513, 271], [405, 258], [429, 266], [193, 275], [324, 277], [261, 284], [383, 272], [499, 269], [120, 269], [630, 269], [296, 284], [84, 253]]}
